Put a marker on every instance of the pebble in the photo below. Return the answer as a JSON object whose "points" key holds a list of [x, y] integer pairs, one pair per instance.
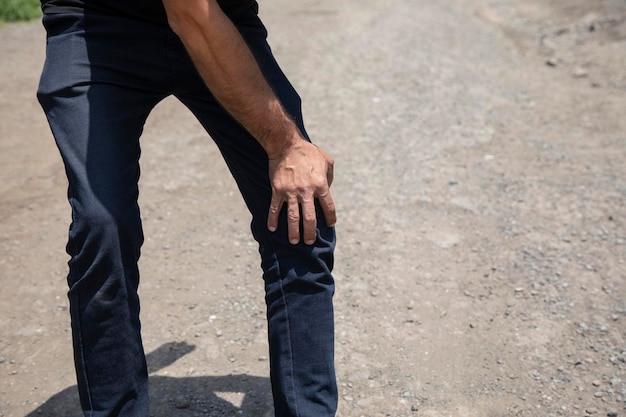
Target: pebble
{"points": [[2, 359], [598, 394], [580, 72], [182, 402], [611, 414], [415, 407]]}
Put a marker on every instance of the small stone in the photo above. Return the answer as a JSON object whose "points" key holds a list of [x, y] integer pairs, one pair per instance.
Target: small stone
{"points": [[580, 72], [611, 414], [596, 383], [182, 402], [552, 62], [2, 359], [591, 410], [262, 358], [598, 394], [415, 407]]}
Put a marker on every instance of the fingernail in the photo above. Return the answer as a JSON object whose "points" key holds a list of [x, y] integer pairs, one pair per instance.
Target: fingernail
{"points": [[272, 228], [310, 242], [294, 241]]}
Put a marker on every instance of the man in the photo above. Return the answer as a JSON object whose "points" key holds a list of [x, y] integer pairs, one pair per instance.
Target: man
{"points": [[108, 63]]}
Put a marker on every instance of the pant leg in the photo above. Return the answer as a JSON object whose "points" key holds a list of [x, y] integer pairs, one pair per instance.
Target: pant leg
{"points": [[96, 115], [298, 281]]}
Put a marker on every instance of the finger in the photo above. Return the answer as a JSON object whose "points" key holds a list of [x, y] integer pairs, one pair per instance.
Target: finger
{"points": [[272, 217], [293, 221], [330, 174], [328, 208], [330, 170], [309, 221]]}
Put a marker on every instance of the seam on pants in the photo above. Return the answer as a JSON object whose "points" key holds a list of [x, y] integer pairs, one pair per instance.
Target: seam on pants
{"points": [[282, 294], [286, 306], [79, 324], [70, 198]]}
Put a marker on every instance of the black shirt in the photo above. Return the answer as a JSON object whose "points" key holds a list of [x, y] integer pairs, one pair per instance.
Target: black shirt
{"points": [[152, 10]]}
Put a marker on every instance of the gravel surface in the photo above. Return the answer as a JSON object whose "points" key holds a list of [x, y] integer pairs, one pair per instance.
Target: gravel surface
{"points": [[480, 183]]}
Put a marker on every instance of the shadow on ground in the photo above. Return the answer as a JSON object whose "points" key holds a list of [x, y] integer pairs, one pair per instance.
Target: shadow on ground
{"points": [[207, 396]]}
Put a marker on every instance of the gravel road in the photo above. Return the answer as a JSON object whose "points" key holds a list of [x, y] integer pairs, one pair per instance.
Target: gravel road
{"points": [[480, 151]]}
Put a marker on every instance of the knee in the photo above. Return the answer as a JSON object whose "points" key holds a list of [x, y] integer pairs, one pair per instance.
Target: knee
{"points": [[101, 226]]}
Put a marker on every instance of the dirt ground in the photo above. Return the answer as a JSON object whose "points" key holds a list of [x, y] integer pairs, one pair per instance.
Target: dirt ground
{"points": [[480, 153]]}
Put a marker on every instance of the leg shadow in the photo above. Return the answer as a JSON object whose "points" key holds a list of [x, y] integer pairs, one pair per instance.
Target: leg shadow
{"points": [[206, 396]]}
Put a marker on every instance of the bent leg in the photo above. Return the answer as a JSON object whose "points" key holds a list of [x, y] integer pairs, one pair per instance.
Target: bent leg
{"points": [[96, 127], [298, 281]]}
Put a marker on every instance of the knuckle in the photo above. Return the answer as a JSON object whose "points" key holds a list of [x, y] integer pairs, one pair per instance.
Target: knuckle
{"points": [[324, 193], [301, 190]]}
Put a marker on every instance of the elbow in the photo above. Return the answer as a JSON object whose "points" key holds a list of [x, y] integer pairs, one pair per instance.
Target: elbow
{"points": [[184, 16], [178, 22]]}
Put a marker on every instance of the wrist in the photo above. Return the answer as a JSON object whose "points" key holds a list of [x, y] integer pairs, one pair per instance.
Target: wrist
{"points": [[277, 144]]}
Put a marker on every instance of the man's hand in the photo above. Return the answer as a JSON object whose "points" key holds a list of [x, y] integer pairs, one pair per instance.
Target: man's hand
{"points": [[299, 171], [299, 175]]}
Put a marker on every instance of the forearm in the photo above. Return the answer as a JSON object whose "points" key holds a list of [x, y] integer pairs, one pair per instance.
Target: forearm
{"points": [[230, 71], [299, 172]]}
